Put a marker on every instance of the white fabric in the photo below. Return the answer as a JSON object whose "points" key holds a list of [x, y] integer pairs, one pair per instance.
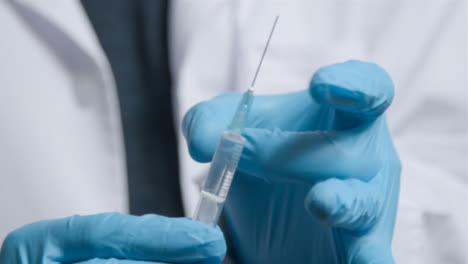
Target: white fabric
{"points": [[61, 151], [422, 44]]}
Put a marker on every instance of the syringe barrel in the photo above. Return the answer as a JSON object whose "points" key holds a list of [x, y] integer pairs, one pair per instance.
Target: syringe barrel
{"points": [[218, 182]]}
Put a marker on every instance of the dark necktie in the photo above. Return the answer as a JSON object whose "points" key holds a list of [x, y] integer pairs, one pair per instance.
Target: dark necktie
{"points": [[133, 35]]}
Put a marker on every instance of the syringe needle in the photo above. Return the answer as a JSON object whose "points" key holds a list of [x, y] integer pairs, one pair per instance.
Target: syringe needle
{"points": [[240, 116], [264, 52]]}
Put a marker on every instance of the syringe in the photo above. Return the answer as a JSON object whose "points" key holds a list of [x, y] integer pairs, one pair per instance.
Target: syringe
{"points": [[226, 157]]}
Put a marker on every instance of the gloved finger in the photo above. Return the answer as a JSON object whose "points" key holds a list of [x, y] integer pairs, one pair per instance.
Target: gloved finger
{"points": [[351, 204], [117, 261], [309, 157], [359, 91], [304, 156], [204, 123], [148, 237]]}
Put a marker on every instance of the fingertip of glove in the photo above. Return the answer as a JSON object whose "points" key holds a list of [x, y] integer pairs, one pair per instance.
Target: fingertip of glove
{"points": [[353, 86], [216, 247], [198, 132], [12, 243], [321, 201], [184, 237], [210, 241]]}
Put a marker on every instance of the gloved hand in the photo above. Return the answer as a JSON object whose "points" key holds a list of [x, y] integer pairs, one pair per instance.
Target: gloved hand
{"points": [[114, 238], [328, 146]]}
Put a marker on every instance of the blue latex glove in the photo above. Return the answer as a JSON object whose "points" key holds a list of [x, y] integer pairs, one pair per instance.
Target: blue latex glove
{"points": [[114, 238], [328, 146]]}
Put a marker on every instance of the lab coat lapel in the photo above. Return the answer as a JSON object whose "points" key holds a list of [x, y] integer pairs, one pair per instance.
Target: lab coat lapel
{"points": [[64, 28], [70, 18]]}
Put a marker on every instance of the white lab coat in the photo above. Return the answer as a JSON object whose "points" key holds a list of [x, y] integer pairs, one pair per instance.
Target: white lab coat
{"points": [[61, 148]]}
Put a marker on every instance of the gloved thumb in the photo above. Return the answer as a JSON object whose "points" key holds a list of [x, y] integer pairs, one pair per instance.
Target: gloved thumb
{"points": [[358, 91]]}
